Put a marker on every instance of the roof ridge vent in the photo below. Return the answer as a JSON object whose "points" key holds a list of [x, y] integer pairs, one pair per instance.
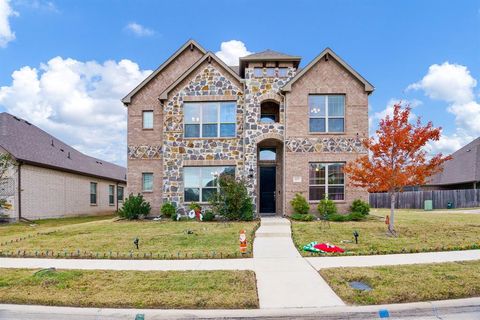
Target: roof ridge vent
{"points": [[16, 118], [52, 144], [27, 122], [62, 150]]}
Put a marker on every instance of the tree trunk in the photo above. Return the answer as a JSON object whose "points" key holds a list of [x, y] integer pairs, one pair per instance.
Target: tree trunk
{"points": [[391, 227]]}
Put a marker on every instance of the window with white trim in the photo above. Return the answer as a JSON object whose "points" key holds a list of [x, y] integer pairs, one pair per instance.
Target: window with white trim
{"points": [[111, 195], [209, 119], [326, 179], [200, 183], [147, 181], [147, 119], [326, 113], [93, 193]]}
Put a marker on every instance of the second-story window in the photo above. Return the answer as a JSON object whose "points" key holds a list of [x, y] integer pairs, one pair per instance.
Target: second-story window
{"points": [[326, 113], [147, 120], [270, 72], [282, 72], [209, 119], [258, 72]]}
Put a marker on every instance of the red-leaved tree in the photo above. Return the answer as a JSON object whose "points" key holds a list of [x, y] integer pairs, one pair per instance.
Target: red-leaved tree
{"points": [[397, 158]]}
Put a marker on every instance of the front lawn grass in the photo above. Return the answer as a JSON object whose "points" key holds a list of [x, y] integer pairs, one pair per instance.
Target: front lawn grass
{"points": [[406, 283], [418, 231], [130, 289], [107, 238]]}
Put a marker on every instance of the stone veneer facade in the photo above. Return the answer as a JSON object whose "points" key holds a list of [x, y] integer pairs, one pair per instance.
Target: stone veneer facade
{"points": [[195, 75]]}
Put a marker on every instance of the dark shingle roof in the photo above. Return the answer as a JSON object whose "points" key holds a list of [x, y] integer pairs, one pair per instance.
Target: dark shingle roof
{"points": [[270, 55], [464, 166], [30, 144]]}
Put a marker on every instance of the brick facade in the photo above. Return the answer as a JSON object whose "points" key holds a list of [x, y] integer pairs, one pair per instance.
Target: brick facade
{"points": [[195, 75]]}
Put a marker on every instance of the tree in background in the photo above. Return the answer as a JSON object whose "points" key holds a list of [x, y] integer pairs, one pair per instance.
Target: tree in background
{"points": [[6, 165], [397, 158]]}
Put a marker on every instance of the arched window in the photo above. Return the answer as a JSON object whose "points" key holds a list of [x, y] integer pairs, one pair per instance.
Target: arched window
{"points": [[269, 112]]}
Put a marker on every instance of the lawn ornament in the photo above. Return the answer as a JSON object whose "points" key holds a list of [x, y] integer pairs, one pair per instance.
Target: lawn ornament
{"points": [[135, 242], [387, 220], [355, 234], [311, 247], [191, 214], [327, 247], [243, 242]]}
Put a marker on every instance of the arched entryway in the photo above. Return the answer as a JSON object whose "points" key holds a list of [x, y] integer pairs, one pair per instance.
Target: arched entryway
{"points": [[270, 177]]}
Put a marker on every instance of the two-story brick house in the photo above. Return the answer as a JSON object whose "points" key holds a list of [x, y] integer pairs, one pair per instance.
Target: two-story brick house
{"points": [[282, 128]]}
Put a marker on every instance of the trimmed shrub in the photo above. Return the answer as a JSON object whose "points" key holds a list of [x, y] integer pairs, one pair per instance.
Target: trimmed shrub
{"points": [[232, 201], [354, 216], [168, 209], [208, 216], [360, 207], [134, 207], [302, 217], [327, 207], [299, 204]]}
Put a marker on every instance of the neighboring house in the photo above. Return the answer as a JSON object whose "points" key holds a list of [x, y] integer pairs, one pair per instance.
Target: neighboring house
{"points": [[51, 179], [283, 129], [462, 172]]}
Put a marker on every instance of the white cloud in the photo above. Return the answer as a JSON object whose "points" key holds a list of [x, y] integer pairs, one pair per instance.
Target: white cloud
{"points": [[231, 50], [453, 83], [78, 102], [39, 5], [6, 33], [139, 30], [448, 82]]}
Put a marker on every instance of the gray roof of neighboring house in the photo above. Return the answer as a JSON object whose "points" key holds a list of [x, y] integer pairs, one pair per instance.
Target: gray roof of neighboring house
{"points": [[463, 168], [30, 144]]}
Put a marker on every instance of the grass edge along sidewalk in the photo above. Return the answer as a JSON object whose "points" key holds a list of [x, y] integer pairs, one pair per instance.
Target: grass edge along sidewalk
{"points": [[109, 239], [406, 283], [130, 289]]}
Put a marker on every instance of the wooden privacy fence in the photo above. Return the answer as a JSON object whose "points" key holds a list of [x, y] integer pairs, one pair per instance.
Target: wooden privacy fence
{"points": [[464, 198]]}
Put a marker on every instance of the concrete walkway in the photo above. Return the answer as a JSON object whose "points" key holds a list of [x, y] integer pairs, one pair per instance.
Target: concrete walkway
{"points": [[284, 278], [393, 259]]}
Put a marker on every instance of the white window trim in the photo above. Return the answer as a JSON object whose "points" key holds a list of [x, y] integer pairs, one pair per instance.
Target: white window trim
{"points": [[326, 117], [111, 188], [143, 181], [143, 119], [326, 185], [96, 193], [218, 123]]}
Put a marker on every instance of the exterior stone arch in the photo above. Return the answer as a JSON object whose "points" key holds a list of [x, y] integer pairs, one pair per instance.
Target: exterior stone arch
{"points": [[270, 96], [270, 135]]}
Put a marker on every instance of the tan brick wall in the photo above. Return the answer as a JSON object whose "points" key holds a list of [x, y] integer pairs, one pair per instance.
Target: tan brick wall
{"points": [[147, 99], [48, 193], [326, 77]]}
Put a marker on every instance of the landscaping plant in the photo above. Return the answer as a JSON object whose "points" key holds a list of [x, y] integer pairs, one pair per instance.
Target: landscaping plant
{"points": [[232, 201], [360, 207], [302, 217], [299, 204], [168, 209], [396, 158], [134, 207], [326, 206]]}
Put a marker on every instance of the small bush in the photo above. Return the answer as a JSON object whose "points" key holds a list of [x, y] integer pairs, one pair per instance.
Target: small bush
{"points": [[232, 201], [354, 216], [300, 204], [168, 209], [134, 207], [302, 217], [360, 207], [327, 207], [174, 217], [208, 216], [195, 207]]}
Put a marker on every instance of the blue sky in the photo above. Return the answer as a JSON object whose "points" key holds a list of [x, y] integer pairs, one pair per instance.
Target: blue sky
{"points": [[394, 44]]}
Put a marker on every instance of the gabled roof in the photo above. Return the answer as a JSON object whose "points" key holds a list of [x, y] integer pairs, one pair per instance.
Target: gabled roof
{"points": [[328, 53], [30, 144], [267, 56], [209, 55], [189, 44], [463, 168]]}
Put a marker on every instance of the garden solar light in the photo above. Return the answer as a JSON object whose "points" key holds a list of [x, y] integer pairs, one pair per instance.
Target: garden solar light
{"points": [[355, 234], [135, 242]]}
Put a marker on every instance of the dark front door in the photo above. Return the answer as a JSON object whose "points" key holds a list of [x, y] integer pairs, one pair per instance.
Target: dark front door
{"points": [[267, 189]]}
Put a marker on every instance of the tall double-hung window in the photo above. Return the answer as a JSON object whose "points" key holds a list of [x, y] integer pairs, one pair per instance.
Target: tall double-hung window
{"points": [[326, 179], [209, 119], [326, 113]]}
